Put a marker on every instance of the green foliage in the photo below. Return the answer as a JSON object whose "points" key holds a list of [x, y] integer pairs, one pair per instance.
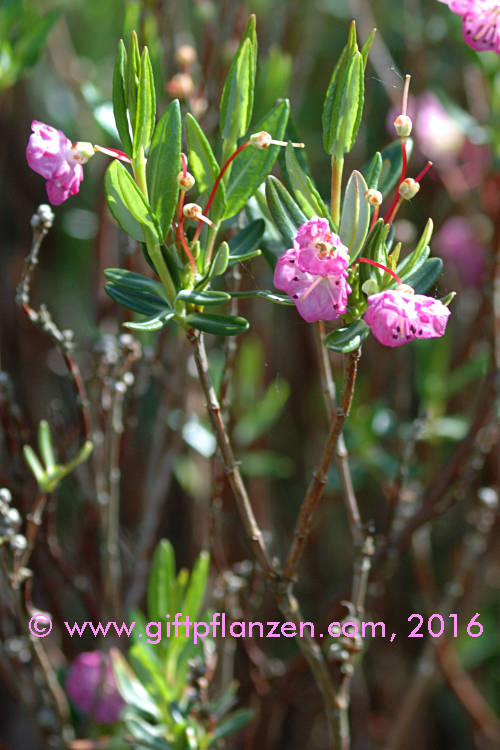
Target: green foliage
{"points": [[164, 164], [236, 104], [355, 218], [47, 472], [163, 708], [348, 338], [23, 32]]}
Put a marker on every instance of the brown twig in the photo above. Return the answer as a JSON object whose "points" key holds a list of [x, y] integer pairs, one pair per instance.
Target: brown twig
{"points": [[315, 489]]}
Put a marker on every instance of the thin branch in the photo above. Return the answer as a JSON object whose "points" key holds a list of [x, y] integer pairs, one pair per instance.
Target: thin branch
{"points": [[316, 487]]}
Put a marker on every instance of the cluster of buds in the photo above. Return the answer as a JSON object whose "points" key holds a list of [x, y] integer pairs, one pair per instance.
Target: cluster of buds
{"points": [[10, 523]]}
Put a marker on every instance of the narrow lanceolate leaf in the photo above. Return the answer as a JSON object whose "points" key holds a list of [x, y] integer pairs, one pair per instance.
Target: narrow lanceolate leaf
{"points": [[161, 581], [141, 302], [127, 203], [135, 282], [203, 165], [355, 217], [375, 250], [278, 299], [132, 76], [220, 325], [347, 339], [245, 244], [408, 264], [153, 323], [120, 98], [203, 297], [286, 215], [164, 164], [392, 164], [303, 188], [146, 106], [343, 104], [236, 103], [372, 171], [425, 276], [365, 49], [252, 165], [237, 96]]}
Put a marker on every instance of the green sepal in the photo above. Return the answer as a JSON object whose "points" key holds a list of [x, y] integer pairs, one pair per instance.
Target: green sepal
{"points": [[355, 217], [164, 164], [345, 340], [219, 325]]}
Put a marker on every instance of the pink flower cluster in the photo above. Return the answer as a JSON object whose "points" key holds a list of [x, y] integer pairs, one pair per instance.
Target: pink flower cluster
{"points": [[480, 22], [314, 272], [314, 275], [50, 154], [91, 686]]}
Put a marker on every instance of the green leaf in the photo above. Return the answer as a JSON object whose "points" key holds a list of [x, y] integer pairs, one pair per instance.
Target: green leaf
{"points": [[343, 104], [244, 245], [154, 323], [195, 592], [203, 165], [219, 325], [231, 724], [45, 446], [161, 582], [236, 104], [146, 106], [132, 691], [252, 165], [411, 260], [219, 263], [164, 164], [392, 164], [279, 299], [424, 277], [132, 76], [135, 282], [205, 298], [347, 339], [372, 171], [303, 188], [365, 50], [141, 302], [375, 250], [127, 203], [285, 213], [34, 463], [355, 219], [120, 98]]}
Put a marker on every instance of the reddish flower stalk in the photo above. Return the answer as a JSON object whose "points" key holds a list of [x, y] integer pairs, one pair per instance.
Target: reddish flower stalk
{"points": [[423, 172], [374, 217], [182, 237], [216, 185], [391, 211], [378, 265], [113, 152], [184, 165]]}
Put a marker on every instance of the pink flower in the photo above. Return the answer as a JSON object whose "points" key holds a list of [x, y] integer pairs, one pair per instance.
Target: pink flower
{"points": [[480, 22], [314, 272], [398, 316], [460, 243], [50, 154], [91, 686]]}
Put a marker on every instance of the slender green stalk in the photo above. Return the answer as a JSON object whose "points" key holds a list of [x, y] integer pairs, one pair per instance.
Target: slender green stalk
{"points": [[336, 188]]}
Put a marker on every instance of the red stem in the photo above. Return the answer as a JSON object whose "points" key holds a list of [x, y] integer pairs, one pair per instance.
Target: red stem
{"points": [[184, 165], [186, 248], [379, 265], [374, 217], [216, 185], [391, 208], [423, 172]]}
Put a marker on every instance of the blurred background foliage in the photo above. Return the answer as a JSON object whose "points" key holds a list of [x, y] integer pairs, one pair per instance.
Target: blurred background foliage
{"points": [[414, 407]]}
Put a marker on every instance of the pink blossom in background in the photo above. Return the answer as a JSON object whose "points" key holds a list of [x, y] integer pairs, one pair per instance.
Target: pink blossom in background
{"points": [[50, 154], [397, 316], [480, 22], [91, 686], [314, 272], [458, 244], [438, 135]]}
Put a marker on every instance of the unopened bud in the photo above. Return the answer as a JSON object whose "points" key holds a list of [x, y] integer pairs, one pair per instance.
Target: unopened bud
{"points": [[185, 181], [194, 211], [263, 140], [403, 125], [181, 86], [408, 188], [83, 151], [374, 197], [185, 55], [406, 288]]}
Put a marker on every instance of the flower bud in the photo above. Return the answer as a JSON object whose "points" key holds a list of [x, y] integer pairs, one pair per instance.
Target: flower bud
{"points": [[194, 211], [185, 181], [403, 125], [374, 197], [185, 55], [408, 188], [181, 86], [263, 140], [83, 151]]}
